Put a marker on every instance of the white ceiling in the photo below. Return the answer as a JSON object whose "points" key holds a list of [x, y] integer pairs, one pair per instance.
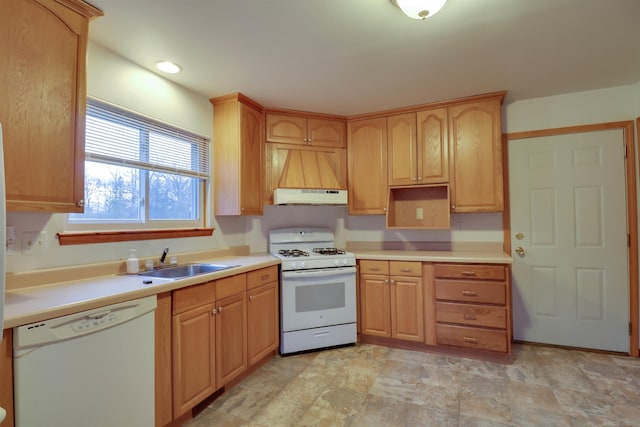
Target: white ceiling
{"points": [[356, 56]]}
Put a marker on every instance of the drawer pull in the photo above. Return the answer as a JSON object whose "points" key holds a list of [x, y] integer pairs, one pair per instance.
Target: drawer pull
{"points": [[469, 293], [468, 273], [470, 340], [405, 270], [264, 277], [469, 316], [374, 268]]}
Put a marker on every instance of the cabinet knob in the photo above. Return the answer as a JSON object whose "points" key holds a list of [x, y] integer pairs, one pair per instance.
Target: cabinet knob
{"points": [[413, 178], [453, 207], [213, 311], [393, 281], [386, 281], [219, 309], [419, 178], [250, 297], [80, 203]]}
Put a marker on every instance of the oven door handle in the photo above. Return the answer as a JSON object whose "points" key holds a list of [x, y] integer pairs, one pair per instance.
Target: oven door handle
{"points": [[322, 272]]}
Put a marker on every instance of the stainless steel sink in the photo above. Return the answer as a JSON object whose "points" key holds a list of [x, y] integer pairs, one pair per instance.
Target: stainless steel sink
{"points": [[187, 270]]}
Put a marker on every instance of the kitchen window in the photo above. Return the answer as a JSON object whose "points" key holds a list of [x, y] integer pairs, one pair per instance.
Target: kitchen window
{"points": [[141, 173]]}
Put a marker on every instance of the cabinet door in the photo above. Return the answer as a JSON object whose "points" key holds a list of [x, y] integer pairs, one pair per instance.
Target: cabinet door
{"points": [[401, 150], [231, 338], [238, 131], [326, 133], [43, 87], [286, 129], [433, 146], [407, 308], [476, 157], [251, 160], [375, 305], [262, 321], [367, 156], [193, 357]]}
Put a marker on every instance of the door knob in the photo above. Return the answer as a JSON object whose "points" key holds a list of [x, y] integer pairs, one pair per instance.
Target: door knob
{"points": [[520, 250]]}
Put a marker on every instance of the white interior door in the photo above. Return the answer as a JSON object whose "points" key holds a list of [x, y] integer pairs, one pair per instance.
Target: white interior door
{"points": [[568, 216]]}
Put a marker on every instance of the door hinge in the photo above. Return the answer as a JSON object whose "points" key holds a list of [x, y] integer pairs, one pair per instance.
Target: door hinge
{"points": [[630, 329]]}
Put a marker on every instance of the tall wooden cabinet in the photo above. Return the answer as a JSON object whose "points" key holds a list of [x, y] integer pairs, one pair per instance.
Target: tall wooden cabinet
{"points": [[476, 157], [238, 132], [43, 104], [392, 299], [367, 157]]}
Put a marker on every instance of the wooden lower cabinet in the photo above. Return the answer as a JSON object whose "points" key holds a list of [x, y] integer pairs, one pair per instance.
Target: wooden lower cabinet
{"points": [[473, 306], [218, 330], [392, 304], [262, 321], [459, 305], [231, 338], [194, 349]]}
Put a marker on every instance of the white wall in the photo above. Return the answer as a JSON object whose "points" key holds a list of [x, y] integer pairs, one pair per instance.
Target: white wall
{"points": [[113, 79]]}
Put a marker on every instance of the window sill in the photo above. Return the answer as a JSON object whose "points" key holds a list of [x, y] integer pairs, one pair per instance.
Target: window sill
{"points": [[129, 235]]}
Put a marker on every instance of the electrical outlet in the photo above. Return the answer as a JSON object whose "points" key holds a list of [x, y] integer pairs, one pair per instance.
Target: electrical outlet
{"points": [[34, 242], [419, 213], [10, 244]]}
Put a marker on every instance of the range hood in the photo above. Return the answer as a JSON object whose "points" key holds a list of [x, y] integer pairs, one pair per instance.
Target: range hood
{"points": [[309, 196]]}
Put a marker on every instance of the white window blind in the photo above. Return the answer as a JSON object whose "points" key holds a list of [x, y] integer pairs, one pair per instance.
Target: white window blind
{"points": [[136, 141]]}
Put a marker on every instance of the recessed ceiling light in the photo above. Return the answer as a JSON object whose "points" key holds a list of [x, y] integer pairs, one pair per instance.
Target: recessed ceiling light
{"points": [[168, 67]]}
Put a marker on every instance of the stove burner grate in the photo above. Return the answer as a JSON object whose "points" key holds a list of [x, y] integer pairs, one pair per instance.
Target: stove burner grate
{"points": [[328, 251], [292, 252]]}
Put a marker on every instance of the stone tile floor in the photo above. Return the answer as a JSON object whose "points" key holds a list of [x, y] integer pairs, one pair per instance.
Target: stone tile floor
{"points": [[368, 385]]}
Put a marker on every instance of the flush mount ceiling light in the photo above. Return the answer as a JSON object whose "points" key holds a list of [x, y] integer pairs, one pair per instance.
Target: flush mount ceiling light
{"points": [[419, 9], [168, 67]]}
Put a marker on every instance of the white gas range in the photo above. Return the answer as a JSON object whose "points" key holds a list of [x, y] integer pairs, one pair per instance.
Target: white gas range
{"points": [[317, 288]]}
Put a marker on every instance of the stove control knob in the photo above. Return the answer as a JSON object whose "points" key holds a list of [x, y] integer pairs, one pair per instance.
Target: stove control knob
{"points": [[301, 264], [337, 262], [344, 262], [294, 265]]}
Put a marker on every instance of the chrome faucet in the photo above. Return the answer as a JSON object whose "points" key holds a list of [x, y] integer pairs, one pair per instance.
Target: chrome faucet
{"points": [[164, 255]]}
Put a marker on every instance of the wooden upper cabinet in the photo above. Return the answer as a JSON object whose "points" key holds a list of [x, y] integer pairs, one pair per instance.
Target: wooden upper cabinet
{"points": [[433, 146], [476, 157], [43, 105], [418, 150], [367, 160], [294, 129], [402, 154], [238, 132]]}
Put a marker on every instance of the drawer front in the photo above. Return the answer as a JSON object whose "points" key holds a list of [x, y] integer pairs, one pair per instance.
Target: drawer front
{"points": [[471, 314], [405, 268], [262, 276], [194, 296], [471, 291], [462, 336], [231, 286], [470, 271], [374, 267]]}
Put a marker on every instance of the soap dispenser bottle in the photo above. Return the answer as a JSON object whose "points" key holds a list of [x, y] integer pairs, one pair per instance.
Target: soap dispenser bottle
{"points": [[133, 265]]}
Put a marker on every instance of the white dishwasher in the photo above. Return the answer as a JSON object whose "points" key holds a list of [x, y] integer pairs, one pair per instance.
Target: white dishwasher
{"points": [[89, 369]]}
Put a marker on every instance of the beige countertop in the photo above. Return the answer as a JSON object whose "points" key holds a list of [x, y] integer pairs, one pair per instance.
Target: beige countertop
{"points": [[436, 256], [37, 303], [31, 304]]}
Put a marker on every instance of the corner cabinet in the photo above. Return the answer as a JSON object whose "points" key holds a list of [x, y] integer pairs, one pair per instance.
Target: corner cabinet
{"points": [[238, 132], [43, 106], [367, 166], [476, 157]]}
